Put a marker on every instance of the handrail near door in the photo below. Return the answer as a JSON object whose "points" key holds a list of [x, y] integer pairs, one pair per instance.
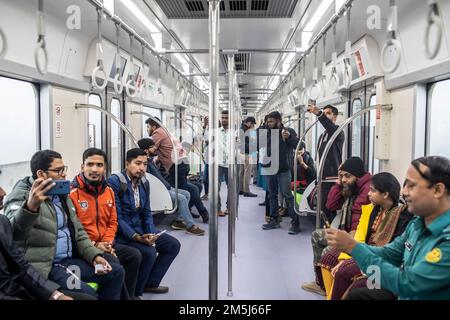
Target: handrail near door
{"points": [[142, 113], [327, 150], [113, 117], [300, 141]]}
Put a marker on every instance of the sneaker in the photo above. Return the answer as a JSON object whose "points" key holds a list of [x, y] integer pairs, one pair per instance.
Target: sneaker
{"points": [[204, 197], [250, 195], [272, 224], [262, 204], [196, 231], [178, 225], [295, 229], [160, 289], [194, 215], [220, 213], [280, 219], [314, 288]]}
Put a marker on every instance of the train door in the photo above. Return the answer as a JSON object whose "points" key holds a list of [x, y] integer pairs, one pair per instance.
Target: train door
{"points": [[95, 122]]}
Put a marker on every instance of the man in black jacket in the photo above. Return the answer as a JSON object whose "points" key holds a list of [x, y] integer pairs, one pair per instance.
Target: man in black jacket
{"points": [[328, 118], [280, 180], [18, 279]]}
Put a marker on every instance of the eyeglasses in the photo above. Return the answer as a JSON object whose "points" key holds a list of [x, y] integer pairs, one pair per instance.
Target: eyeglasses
{"points": [[60, 171]]}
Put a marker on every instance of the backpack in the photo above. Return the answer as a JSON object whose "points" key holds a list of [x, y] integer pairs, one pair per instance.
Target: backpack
{"points": [[124, 184]]}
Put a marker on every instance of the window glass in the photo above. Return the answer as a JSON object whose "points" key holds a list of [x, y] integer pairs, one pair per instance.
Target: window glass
{"points": [[356, 129], [95, 122], [374, 164], [439, 119], [19, 116], [116, 141]]}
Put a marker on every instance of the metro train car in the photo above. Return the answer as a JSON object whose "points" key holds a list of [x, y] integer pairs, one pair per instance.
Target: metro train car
{"points": [[225, 150]]}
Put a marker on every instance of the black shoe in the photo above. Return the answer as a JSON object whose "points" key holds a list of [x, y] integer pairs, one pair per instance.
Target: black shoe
{"points": [[262, 204], [195, 216], [160, 289], [250, 195], [205, 217], [241, 193], [136, 298], [295, 229]]}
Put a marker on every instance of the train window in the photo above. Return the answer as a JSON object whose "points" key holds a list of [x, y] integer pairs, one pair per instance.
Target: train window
{"points": [[152, 111], [374, 164], [438, 133], [95, 122], [356, 129], [19, 114], [116, 141]]}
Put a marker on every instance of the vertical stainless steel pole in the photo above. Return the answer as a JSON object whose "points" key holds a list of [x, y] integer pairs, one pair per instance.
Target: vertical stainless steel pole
{"points": [[236, 126], [214, 22], [231, 173]]}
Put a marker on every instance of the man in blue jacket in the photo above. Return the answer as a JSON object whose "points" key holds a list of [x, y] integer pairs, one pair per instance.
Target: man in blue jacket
{"points": [[136, 226]]}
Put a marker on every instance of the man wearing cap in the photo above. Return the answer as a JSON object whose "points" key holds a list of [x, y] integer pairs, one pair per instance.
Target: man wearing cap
{"points": [[248, 139], [349, 194]]}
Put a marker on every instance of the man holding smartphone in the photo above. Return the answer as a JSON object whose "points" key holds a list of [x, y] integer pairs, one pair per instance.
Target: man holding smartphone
{"points": [[95, 206], [53, 238], [136, 227]]}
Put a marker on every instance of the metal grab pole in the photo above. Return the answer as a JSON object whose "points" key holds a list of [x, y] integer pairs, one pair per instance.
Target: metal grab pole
{"points": [[231, 177], [113, 117], [214, 21], [327, 149], [175, 208], [300, 141]]}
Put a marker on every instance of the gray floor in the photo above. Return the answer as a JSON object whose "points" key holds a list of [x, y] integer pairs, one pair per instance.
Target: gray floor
{"points": [[269, 265]]}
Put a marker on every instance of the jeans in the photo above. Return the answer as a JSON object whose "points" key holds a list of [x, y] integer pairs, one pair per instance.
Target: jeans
{"points": [[195, 199], [110, 284], [223, 173], [206, 178], [183, 206], [155, 260], [281, 182], [130, 258]]}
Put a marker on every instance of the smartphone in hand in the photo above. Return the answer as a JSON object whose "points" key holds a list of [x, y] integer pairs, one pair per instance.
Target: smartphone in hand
{"points": [[62, 187]]}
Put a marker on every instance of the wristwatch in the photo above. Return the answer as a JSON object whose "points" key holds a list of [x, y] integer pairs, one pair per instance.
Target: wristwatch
{"points": [[57, 295]]}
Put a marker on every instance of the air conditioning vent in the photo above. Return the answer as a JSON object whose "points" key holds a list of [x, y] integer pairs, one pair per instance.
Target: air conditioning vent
{"points": [[260, 5], [238, 5], [194, 6]]}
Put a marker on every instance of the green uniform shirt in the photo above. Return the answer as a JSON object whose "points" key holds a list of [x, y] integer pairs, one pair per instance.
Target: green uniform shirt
{"points": [[415, 265]]}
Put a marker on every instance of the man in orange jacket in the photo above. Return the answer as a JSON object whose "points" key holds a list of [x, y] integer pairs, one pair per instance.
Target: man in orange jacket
{"points": [[95, 206]]}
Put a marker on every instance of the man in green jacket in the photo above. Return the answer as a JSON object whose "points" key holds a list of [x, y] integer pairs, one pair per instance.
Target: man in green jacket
{"points": [[54, 240], [416, 266]]}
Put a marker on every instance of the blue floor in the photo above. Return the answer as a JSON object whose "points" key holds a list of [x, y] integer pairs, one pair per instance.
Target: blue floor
{"points": [[269, 265]]}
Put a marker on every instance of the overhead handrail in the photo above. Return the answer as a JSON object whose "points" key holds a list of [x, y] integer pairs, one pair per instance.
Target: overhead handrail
{"points": [[130, 87], [99, 70], [434, 19], [304, 96], [112, 116], [392, 41], [117, 82], [348, 76], [297, 149], [41, 46], [314, 92], [327, 149], [333, 82], [142, 113]]}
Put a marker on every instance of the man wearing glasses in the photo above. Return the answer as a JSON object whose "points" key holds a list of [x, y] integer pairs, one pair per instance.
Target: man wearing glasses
{"points": [[53, 238]]}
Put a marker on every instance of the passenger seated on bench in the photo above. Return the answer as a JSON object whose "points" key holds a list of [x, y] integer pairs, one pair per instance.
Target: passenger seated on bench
{"points": [[54, 240], [136, 227], [381, 222], [184, 221], [415, 266], [306, 171], [348, 195]]}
